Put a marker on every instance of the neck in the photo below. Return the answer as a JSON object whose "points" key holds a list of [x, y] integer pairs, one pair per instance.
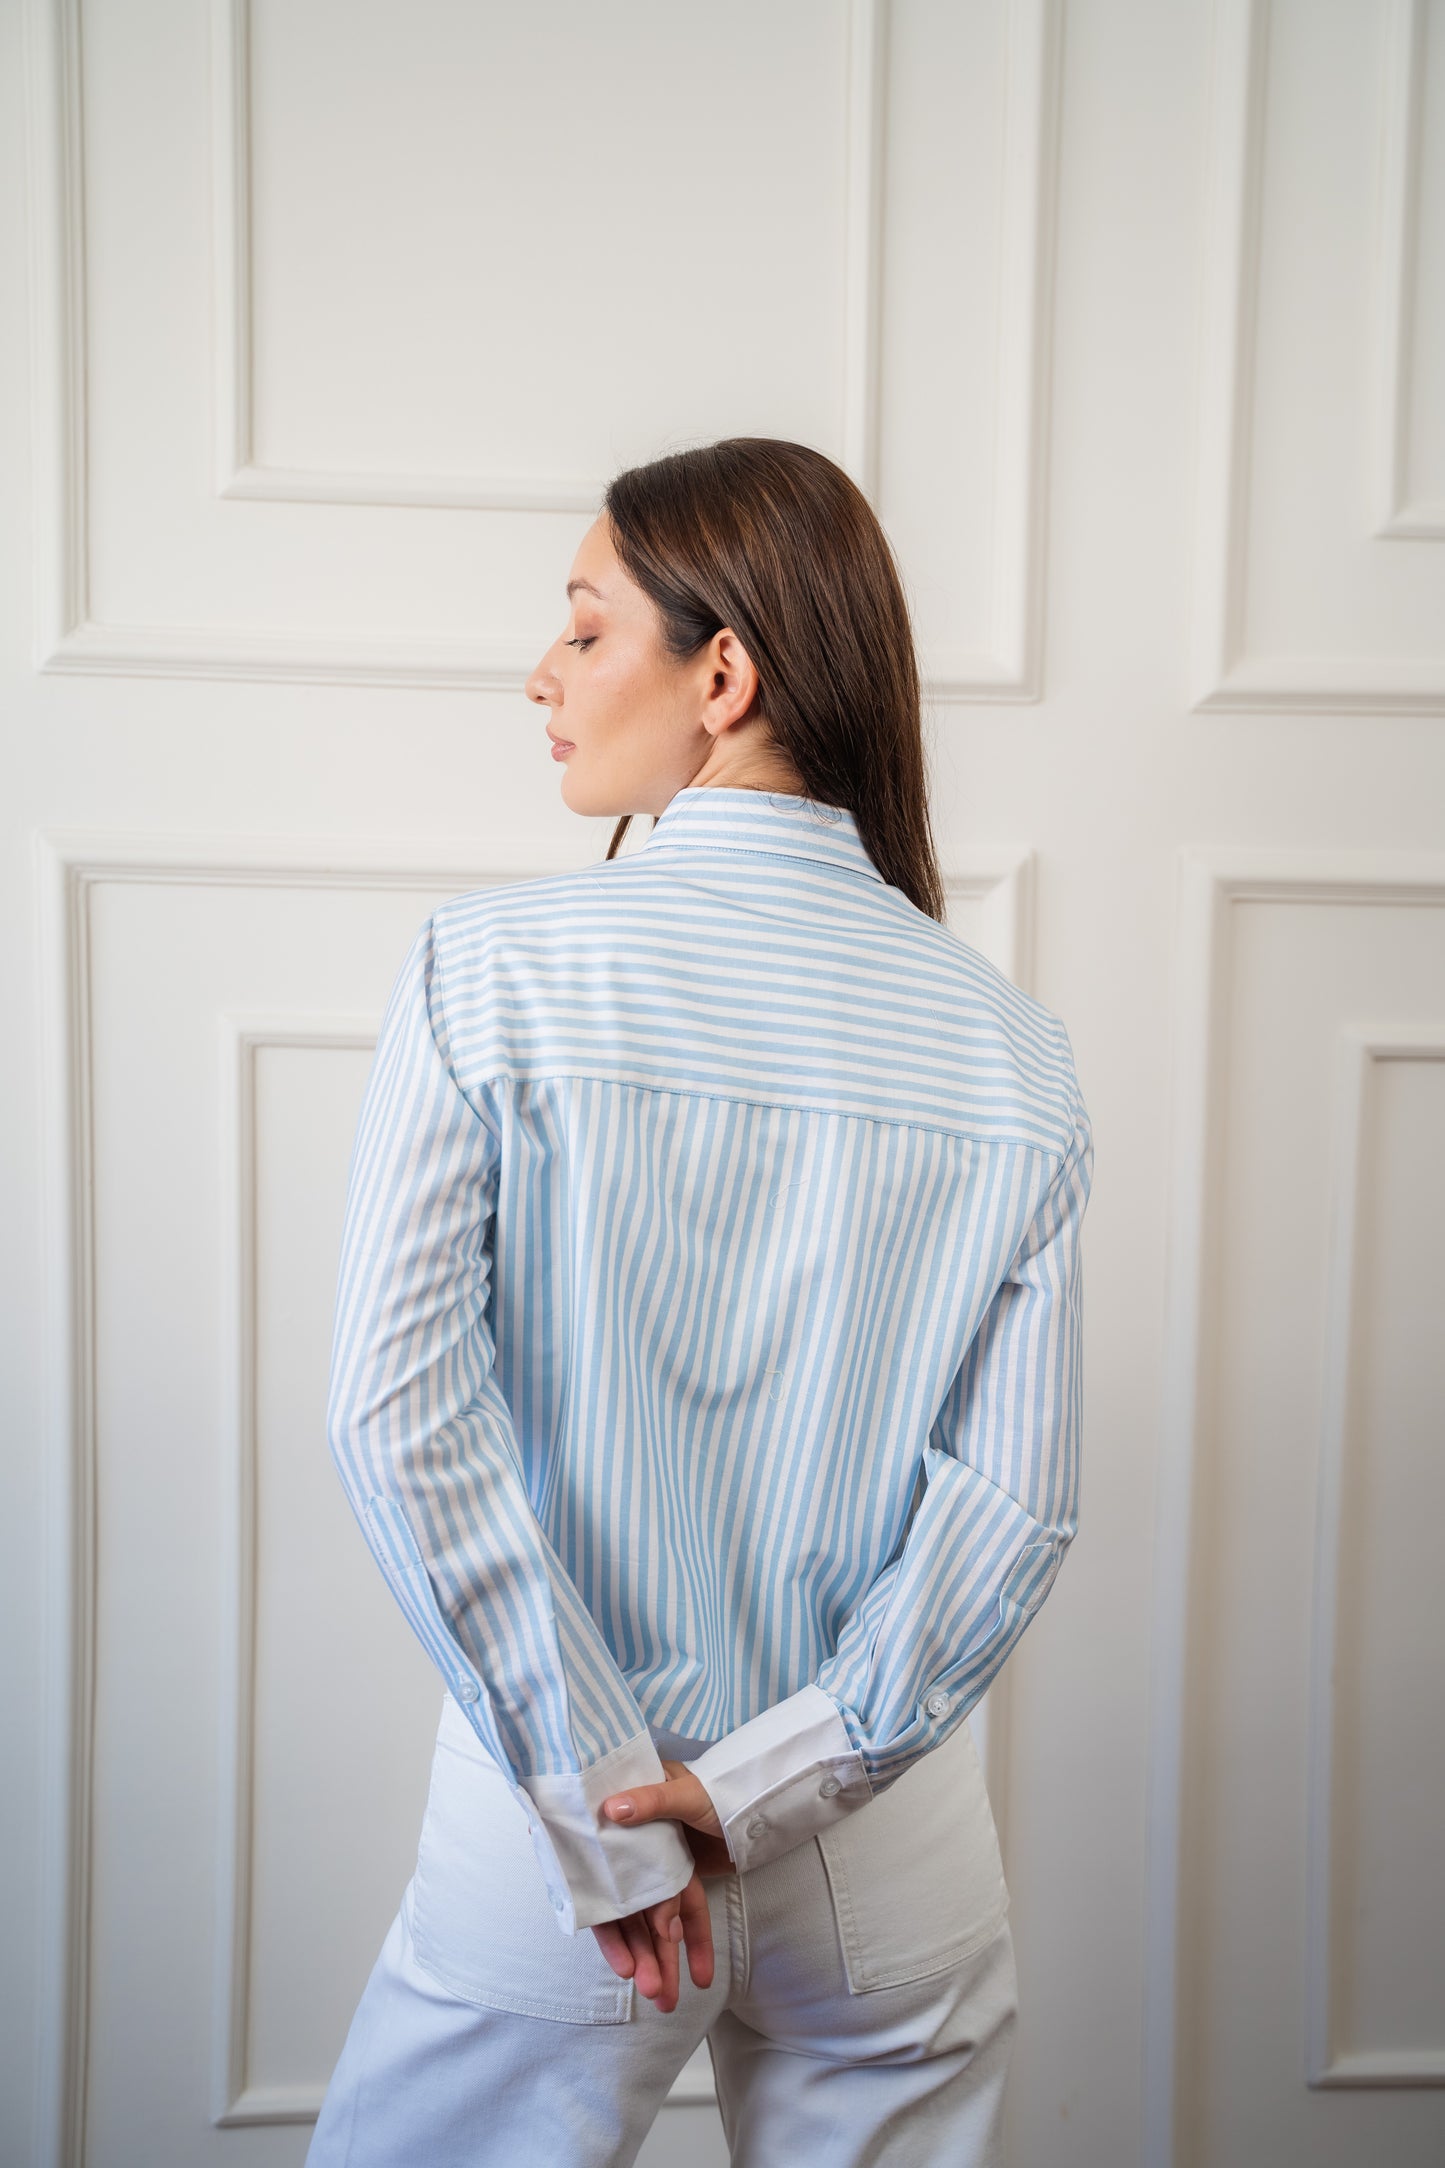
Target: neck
{"points": [[760, 766]]}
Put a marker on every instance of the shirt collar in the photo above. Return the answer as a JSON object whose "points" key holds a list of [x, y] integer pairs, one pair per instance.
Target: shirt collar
{"points": [[714, 817]]}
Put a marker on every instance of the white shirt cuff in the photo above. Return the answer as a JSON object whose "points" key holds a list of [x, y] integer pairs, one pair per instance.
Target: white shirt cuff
{"points": [[598, 1870], [783, 1776]]}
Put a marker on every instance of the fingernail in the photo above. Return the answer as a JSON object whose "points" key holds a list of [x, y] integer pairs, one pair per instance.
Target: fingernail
{"points": [[622, 1810], [676, 1930]]}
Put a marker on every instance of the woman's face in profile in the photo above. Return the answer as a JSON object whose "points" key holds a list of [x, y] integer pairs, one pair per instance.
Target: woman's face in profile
{"points": [[623, 714]]}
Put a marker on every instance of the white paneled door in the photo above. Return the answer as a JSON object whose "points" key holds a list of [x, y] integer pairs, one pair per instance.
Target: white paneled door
{"points": [[329, 323]]}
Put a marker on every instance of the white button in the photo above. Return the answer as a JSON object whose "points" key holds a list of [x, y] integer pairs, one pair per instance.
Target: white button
{"points": [[828, 1786], [468, 1690], [757, 1827], [937, 1704]]}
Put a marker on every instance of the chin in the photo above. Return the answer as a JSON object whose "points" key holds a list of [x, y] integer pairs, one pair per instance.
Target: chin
{"points": [[576, 796], [589, 797]]}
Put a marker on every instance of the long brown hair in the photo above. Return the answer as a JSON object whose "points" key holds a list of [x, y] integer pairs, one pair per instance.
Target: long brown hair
{"points": [[777, 543]]}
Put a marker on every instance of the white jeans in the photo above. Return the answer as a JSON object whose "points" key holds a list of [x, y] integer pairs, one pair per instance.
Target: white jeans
{"points": [[862, 2008]]}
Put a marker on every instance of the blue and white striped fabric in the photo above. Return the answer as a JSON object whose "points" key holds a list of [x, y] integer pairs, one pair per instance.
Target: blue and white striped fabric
{"points": [[706, 1369]]}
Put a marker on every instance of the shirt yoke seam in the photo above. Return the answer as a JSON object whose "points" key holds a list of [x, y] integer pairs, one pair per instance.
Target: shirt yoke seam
{"points": [[752, 1099]]}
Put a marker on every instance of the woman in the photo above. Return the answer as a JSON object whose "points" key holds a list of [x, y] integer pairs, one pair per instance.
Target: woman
{"points": [[706, 1382]]}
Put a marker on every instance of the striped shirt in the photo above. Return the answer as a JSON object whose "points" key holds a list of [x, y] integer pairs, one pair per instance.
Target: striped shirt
{"points": [[706, 1373]]}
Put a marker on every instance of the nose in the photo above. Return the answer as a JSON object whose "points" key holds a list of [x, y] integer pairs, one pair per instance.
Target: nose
{"points": [[544, 686]]}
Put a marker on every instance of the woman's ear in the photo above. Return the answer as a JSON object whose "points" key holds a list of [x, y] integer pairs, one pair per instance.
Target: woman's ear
{"points": [[732, 682]]}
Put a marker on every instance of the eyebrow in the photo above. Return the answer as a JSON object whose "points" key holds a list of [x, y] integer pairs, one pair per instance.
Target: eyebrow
{"points": [[573, 585]]}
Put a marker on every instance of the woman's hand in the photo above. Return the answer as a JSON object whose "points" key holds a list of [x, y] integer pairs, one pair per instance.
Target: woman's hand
{"points": [[645, 1945], [682, 1798]]}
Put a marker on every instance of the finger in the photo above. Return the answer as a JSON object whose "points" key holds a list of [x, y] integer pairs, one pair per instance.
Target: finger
{"points": [[643, 1803], [697, 1932], [649, 1965], [613, 1944], [663, 1917], [660, 1919], [647, 1972]]}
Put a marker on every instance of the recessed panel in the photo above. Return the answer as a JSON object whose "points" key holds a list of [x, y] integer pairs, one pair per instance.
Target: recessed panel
{"points": [[264, 1719], [1318, 581], [1298, 974], [1321, 555], [1387, 1895], [942, 266], [344, 1706], [434, 245], [334, 1766], [1422, 331], [542, 242], [376, 301]]}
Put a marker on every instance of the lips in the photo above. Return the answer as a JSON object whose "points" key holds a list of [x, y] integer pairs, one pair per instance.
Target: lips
{"points": [[561, 745]]}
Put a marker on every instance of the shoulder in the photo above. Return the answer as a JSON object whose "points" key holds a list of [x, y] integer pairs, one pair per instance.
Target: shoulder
{"points": [[481, 919], [985, 1010]]}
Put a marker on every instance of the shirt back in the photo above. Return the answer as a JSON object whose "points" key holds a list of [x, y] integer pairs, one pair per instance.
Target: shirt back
{"points": [[708, 1323]]}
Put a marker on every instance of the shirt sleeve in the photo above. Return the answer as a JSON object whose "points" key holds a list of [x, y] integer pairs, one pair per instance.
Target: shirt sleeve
{"points": [[425, 1446], [998, 1511]]}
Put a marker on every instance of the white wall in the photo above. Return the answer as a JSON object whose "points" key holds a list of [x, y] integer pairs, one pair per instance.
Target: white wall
{"points": [[330, 324]]}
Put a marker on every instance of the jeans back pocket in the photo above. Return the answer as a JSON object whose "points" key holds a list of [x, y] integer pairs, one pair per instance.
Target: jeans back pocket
{"points": [[482, 1922], [916, 1874]]}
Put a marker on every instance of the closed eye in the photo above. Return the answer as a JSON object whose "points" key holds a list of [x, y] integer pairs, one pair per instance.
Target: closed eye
{"points": [[580, 644]]}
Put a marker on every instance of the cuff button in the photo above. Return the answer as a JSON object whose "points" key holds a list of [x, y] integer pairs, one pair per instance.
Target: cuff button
{"points": [[938, 1704], [828, 1786], [757, 1827], [467, 1690]]}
